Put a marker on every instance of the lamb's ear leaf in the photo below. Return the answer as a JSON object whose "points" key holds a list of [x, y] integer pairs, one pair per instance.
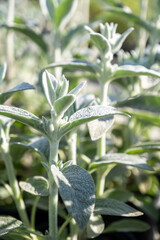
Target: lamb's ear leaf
{"points": [[20, 87], [76, 188], [95, 226], [8, 224], [62, 104], [129, 225], [36, 185], [108, 206], [23, 116], [121, 158], [132, 71], [3, 69], [88, 114]]}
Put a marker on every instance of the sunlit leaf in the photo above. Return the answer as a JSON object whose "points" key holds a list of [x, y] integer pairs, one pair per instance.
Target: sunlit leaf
{"points": [[144, 148], [62, 104], [3, 69], [8, 224], [95, 226]]}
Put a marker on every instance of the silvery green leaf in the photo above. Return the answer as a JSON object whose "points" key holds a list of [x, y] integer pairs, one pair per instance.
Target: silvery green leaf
{"points": [[133, 70], [62, 104], [121, 158], [108, 206], [23, 116], [36, 185], [64, 88], [129, 225], [8, 224], [84, 100], [98, 127], [47, 8], [20, 87], [118, 194], [145, 147], [3, 69], [49, 86], [88, 114], [95, 226], [76, 188], [78, 88]]}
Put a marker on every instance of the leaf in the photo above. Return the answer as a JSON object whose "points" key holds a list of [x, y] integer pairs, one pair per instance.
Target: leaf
{"points": [[62, 104], [3, 69], [22, 116], [36, 185], [78, 88], [8, 224], [47, 8], [118, 194], [76, 188], [132, 71], [87, 114], [144, 148], [64, 12], [121, 158], [98, 127], [78, 65], [36, 38], [130, 225], [20, 87], [108, 206], [145, 107], [95, 226]]}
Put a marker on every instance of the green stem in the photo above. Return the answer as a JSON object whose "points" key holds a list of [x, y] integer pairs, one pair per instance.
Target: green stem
{"points": [[53, 193], [72, 147], [33, 213], [14, 185], [64, 225]]}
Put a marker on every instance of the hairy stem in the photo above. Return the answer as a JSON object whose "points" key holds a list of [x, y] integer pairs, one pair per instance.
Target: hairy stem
{"points": [[72, 147]]}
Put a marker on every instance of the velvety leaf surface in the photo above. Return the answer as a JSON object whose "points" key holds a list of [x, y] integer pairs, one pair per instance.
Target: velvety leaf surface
{"points": [[114, 207], [76, 188], [62, 104], [144, 148], [95, 226], [118, 194], [77, 89], [36, 185], [121, 158], [127, 226], [22, 116], [20, 87], [3, 69], [8, 224]]}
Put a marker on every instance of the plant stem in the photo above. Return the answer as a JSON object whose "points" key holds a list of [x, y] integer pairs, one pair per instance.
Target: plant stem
{"points": [[72, 147], [33, 213], [53, 193]]}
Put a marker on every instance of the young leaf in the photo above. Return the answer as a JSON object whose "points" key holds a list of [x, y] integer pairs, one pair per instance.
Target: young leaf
{"points": [[129, 225], [121, 158], [3, 69], [64, 88], [133, 70], [8, 224], [144, 148], [20, 87], [62, 104], [88, 114], [98, 127], [114, 207], [36, 38], [47, 8], [95, 226], [22, 116], [36, 185], [78, 88], [76, 188]]}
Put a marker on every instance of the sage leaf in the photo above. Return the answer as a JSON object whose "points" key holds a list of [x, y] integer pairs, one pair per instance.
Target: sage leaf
{"points": [[121, 158], [3, 69], [145, 147], [129, 225], [88, 114], [8, 224], [20, 87], [95, 226], [108, 206], [76, 188], [62, 104], [22, 116], [36, 185]]}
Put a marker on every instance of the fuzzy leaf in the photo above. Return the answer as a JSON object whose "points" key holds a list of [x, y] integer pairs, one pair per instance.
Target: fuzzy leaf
{"points": [[62, 104], [76, 188], [114, 207], [3, 69], [78, 88], [88, 114], [144, 148], [133, 70], [22, 116], [36, 38], [8, 224], [36, 185], [47, 8], [121, 158], [20, 87], [129, 225], [95, 226]]}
